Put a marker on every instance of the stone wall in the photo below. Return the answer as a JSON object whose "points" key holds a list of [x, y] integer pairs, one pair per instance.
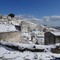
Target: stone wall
{"points": [[24, 26], [10, 36], [49, 38]]}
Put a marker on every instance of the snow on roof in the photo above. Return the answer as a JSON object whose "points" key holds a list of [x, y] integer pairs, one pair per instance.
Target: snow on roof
{"points": [[26, 34], [56, 33], [56, 55], [7, 28], [36, 31]]}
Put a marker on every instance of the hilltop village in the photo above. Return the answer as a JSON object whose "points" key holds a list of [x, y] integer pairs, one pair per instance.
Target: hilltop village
{"points": [[24, 35], [22, 31]]}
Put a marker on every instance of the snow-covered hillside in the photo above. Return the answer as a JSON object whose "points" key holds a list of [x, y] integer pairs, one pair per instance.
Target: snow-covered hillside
{"points": [[31, 39], [7, 28]]}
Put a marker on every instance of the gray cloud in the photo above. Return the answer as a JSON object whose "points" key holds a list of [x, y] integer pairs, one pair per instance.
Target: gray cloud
{"points": [[46, 20], [51, 18]]}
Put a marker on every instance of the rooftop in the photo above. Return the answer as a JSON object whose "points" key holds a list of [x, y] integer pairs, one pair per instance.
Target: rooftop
{"points": [[7, 28], [56, 33]]}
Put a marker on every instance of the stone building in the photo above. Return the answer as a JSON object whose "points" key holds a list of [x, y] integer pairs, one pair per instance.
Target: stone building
{"points": [[52, 38], [13, 36], [24, 26], [9, 33]]}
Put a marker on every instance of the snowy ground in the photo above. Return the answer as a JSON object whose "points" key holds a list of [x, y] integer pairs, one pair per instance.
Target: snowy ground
{"points": [[16, 55], [9, 54]]}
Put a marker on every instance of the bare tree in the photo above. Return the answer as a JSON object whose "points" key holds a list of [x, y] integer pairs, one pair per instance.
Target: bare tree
{"points": [[11, 15]]}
